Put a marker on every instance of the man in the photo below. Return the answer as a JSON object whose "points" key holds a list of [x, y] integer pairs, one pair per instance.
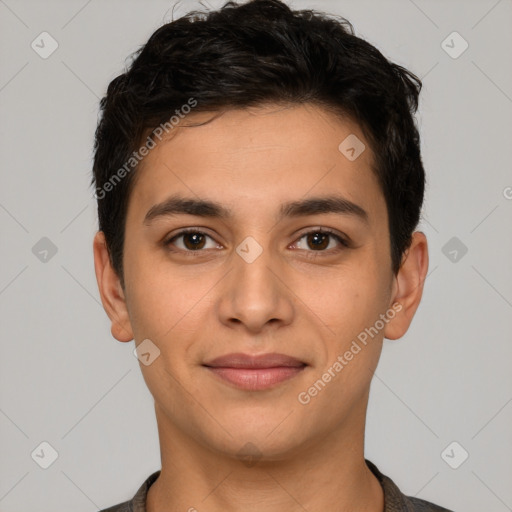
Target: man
{"points": [[259, 180]]}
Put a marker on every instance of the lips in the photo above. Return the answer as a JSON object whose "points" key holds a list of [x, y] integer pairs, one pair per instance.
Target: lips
{"points": [[247, 361], [255, 372]]}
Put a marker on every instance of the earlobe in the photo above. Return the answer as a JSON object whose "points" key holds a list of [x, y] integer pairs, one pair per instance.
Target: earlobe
{"points": [[111, 292], [408, 286]]}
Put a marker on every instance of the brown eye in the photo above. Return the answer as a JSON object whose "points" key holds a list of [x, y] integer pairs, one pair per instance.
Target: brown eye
{"points": [[318, 240], [321, 240], [192, 241]]}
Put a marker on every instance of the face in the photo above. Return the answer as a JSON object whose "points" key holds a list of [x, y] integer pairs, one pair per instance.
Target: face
{"points": [[259, 310]]}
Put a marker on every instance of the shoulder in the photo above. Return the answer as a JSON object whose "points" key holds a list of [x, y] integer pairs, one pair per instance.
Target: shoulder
{"points": [[138, 502], [122, 507], [396, 501], [417, 505]]}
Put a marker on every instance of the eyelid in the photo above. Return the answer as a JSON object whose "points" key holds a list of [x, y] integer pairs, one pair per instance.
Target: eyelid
{"points": [[168, 239], [342, 239], [328, 231]]}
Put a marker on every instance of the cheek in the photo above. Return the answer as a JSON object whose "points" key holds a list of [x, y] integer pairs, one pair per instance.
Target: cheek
{"points": [[352, 297], [164, 301], [151, 298], [352, 306], [352, 353]]}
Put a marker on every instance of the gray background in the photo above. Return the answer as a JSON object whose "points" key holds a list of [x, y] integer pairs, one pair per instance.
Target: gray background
{"points": [[66, 381]]}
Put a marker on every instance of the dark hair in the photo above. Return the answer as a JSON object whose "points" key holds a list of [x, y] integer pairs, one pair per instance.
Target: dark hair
{"points": [[250, 54]]}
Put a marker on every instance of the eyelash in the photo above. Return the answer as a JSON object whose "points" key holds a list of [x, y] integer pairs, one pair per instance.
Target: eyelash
{"points": [[310, 253]]}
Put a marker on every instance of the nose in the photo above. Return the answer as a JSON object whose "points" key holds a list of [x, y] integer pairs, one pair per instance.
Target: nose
{"points": [[254, 295]]}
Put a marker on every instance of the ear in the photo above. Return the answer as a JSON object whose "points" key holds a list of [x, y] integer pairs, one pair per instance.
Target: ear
{"points": [[111, 292], [408, 286]]}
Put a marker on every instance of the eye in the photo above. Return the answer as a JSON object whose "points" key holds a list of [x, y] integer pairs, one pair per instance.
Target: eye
{"points": [[318, 240], [321, 240], [191, 240]]}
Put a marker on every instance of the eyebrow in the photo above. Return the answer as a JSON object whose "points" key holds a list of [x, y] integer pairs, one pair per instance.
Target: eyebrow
{"points": [[176, 205]]}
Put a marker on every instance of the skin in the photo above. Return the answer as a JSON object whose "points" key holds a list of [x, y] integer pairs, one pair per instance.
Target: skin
{"points": [[195, 308]]}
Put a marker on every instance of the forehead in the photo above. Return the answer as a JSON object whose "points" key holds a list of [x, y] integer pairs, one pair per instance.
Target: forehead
{"points": [[257, 156]]}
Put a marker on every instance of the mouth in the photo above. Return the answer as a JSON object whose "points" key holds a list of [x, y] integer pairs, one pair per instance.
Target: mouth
{"points": [[255, 373]]}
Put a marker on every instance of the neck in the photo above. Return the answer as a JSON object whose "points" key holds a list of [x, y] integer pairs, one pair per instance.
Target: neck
{"points": [[328, 474]]}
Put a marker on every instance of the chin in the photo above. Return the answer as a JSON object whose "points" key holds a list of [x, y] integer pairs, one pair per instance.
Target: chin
{"points": [[270, 438]]}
